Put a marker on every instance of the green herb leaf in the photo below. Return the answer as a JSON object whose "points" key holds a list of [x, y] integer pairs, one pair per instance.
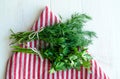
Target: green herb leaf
{"points": [[66, 43]]}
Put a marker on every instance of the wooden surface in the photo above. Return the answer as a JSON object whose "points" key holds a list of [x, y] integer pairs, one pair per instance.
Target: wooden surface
{"points": [[19, 15]]}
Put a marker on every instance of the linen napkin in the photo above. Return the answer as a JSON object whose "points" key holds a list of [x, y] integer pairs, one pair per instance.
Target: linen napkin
{"points": [[31, 66]]}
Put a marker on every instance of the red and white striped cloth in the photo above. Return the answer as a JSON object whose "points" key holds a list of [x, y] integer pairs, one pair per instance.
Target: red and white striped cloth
{"points": [[30, 66]]}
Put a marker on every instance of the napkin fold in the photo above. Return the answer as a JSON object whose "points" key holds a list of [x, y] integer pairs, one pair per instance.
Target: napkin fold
{"points": [[31, 66]]}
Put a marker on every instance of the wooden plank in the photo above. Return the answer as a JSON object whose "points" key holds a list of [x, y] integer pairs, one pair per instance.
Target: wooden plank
{"points": [[65, 7], [102, 13]]}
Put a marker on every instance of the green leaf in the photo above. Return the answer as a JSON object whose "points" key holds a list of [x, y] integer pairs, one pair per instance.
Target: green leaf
{"points": [[60, 66], [73, 57], [52, 70], [86, 64]]}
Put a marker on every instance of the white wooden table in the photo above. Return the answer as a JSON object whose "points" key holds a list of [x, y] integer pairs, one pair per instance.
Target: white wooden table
{"points": [[19, 15]]}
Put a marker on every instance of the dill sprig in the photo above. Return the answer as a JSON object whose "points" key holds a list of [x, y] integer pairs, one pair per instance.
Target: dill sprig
{"points": [[64, 39]]}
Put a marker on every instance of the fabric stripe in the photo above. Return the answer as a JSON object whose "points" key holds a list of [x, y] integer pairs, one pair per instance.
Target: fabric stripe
{"points": [[15, 63], [51, 18], [86, 73], [27, 62], [62, 74], [29, 66], [95, 70], [57, 75], [46, 16], [41, 20], [81, 73], [20, 60], [56, 21], [36, 26], [46, 69], [43, 69], [67, 74], [105, 76], [39, 67], [91, 71], [34, 66], [91, 74], [72, 74], [48, 75], [24, 72], [22, 65], [76, 74], [100, 73], [53, 76], [10, 69]]}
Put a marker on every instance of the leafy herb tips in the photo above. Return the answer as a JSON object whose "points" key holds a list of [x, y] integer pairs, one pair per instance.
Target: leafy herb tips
{"points": [[67, 43]]}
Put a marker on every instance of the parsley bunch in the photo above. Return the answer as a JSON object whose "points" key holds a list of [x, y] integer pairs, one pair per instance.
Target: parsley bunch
{"points": [[67, 43]]}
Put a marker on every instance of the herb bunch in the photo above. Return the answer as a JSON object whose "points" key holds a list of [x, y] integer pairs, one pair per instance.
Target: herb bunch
{"points": [[67, 43]]}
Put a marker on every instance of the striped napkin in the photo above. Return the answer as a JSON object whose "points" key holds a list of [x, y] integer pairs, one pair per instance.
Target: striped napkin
{"points": [[30, 66]]}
